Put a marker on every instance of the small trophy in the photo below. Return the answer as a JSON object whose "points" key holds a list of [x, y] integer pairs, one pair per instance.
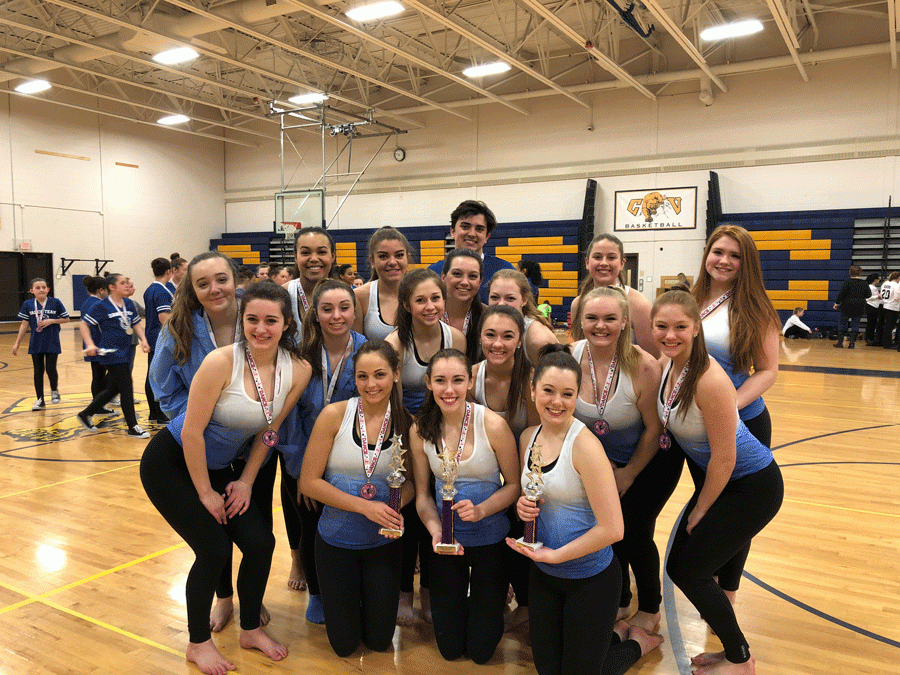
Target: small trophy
{"points": [[395, 480], [448, 492], [534, 488]]}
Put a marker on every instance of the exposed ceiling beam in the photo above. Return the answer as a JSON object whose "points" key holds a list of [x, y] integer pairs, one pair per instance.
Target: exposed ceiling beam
{"points": [[892, 31], [682, 39], [243, 64], [606, 62], [456, 26], [181, 130], [784, 26]]}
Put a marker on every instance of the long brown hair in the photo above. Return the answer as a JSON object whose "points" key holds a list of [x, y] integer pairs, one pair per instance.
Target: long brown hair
{"points": [[588, 283], [698, 361], [277, 294], [430, 417], [408, 285], [518, 379], [530, 308], [750, 312], [311, 340], [399, 415], [181, 319], [626, 352]]}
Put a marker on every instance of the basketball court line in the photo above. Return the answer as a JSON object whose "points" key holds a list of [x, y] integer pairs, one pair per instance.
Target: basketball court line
{"points": [[68, 480]]}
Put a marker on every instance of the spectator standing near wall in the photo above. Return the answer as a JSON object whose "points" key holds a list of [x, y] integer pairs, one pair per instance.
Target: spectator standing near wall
{"points": [[873, 307], [890, 308], [851, 300]]}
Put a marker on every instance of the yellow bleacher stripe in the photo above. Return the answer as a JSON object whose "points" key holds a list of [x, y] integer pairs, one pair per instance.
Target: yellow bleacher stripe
{"points": [[799, 295], [534, 250], [235, 248], [794, 245], [432, 242], [789, 304], [559, 274], [346, 246], [417, 266], [810, 255], [768, 235], [428, 259], [535, 241], [551, 266], [808, 284]]}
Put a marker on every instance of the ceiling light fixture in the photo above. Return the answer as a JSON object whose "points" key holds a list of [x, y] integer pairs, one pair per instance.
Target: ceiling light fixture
{"points": [[33, 86], [377, 10], [730, 30], [486, 69], [308, 99], [173, 119], [170, 57]]}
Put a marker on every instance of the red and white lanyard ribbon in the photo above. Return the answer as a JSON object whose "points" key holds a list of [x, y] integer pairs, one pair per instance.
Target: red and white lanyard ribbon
{"points": [[267, 405], [466, 321], [462, 433], [718, 301], [667, 409], [600, 401], [328, 389], [369, 464]]}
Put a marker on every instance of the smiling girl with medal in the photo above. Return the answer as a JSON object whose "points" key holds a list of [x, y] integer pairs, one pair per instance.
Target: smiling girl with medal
{"points": [[189, 470], [462, 273], [117, 319], [575, 581], [328, 346], [346, 470], [314, 254], [468, 588], [377, 300], [738, 486], [617, 402], [511, 288]]}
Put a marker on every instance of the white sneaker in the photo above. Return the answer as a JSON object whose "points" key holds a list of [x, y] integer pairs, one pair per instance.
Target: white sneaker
{"points": [[137, 432], [38, 404], [54, 397]]}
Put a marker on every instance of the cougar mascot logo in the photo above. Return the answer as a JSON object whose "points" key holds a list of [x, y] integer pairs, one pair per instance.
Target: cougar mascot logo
{"points": [[652, 202]]}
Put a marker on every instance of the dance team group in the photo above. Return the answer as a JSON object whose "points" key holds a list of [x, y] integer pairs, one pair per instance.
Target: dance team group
{"points": [[331, 382]]}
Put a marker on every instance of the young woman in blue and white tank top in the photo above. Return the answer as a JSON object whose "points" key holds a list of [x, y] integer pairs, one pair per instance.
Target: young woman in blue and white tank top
{"points": [[346, 470], [618, 402], [462, 274], [511, 288], [377, 300], [738, 486], [468, 590], [314, 254], [240, 391], [578, 519]]}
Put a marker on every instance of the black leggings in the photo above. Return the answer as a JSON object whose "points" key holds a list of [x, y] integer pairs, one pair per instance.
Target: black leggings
{"points": [[119, 382], [156, 413], [263, 487], [468, 595], [572, 625], [887, 330], [797, 332], [641, 505], [45, 362], [742, 510], [360, 595], [517, 566], [301, 524], [167, 482], [415, 542], [98, 378], [872, 324]]}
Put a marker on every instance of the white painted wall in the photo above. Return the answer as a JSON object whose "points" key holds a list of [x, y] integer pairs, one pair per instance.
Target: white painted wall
{"points": [[95, 208], [776, 142]]}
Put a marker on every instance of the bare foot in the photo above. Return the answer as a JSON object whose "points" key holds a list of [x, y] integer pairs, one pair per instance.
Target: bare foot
{"points": [[405, 616], [647, 641], [296, 579], [425, 601], [707, 658], [621, 629], [221, 614], [515, 618], [726, 667], [645, 621], [264, 616], [623, 613], [257, 639], [208, 659]]}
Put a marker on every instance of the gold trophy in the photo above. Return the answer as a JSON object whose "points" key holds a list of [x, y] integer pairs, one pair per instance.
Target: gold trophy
{"points": [[395, 480], [534, 488], [449, 473]]}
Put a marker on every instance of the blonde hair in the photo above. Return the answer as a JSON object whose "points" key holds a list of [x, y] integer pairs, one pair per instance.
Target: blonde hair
{"points": [[626, 352], [529, 309]]}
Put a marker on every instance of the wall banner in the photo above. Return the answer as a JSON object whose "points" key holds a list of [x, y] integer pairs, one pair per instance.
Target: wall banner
{"points": [[664, 209]]}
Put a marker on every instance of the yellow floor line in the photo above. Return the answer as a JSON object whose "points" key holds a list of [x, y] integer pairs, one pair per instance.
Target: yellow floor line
{"points": [[843, 508], [68, 480]]}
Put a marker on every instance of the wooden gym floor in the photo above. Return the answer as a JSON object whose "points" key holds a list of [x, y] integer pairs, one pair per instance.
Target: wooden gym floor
{"points": [[92, 578]]}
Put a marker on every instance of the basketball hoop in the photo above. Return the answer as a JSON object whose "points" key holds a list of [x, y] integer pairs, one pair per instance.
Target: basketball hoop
{"points": [[289, 229]]}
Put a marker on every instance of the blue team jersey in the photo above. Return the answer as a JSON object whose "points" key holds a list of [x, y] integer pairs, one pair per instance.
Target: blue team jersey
{"points": [[113, 324], [157, 300], [46, 340], [86, 308]]}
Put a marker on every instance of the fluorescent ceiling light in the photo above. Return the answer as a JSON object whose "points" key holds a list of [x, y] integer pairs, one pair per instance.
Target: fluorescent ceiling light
{"points": [[377, 10], [486, 69], [729, 30], [33, 86], [177, 55], [173, 119], [307, 99]]}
